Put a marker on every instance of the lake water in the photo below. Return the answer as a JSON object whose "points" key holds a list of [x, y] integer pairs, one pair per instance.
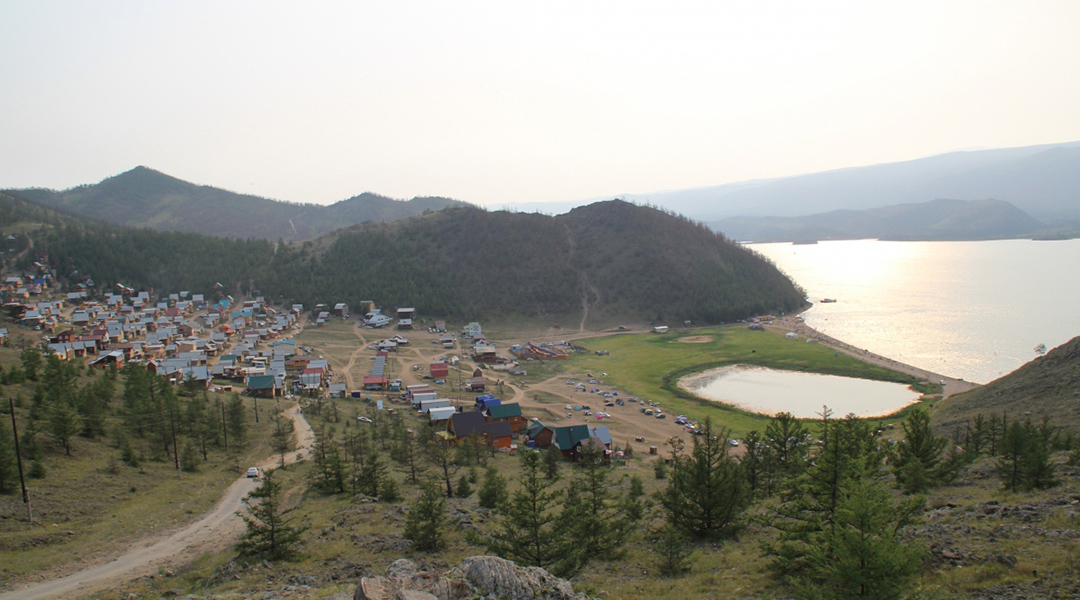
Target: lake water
{"points": [[974, 310], [804, 395]]}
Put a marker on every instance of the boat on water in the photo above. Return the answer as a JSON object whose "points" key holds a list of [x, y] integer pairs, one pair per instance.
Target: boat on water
{"points": [[828, 300]]}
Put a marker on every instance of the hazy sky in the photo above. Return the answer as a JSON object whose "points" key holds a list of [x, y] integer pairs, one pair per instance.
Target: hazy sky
{"points": [[494, 102]]}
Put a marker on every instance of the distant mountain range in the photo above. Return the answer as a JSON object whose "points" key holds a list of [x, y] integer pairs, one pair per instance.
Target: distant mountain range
{"points": [[1042, 181], [143, 197], [934, 220]]}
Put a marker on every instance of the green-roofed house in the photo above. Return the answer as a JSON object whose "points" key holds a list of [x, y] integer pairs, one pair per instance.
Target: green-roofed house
{"points": [[507, 413], [568, 438], [263, 385]]}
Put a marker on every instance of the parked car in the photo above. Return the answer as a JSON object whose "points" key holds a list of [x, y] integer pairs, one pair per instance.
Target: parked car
{"points": [[253, 472], [363, 419]]}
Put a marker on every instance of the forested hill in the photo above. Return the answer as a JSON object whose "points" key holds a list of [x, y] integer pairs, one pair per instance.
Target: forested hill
{"points": [[617, 260], [1045, 387], [143, 197]]}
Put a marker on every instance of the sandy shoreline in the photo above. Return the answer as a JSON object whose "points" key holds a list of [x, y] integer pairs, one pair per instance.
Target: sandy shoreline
{"points": [[952, 385]]}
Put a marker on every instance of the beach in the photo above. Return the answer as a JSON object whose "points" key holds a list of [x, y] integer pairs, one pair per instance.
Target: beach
{"points": [[951, 385]]}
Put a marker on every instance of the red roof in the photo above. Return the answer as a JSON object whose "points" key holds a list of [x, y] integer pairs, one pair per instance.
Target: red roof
{"points": [[374, 379], [439, 369], [313, 370]]}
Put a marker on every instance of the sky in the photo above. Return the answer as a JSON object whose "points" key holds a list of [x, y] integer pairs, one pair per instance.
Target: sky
{"points": [[502, 102]]}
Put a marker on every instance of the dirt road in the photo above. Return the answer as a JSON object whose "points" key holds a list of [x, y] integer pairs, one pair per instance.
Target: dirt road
{"points": [[215, 530]]}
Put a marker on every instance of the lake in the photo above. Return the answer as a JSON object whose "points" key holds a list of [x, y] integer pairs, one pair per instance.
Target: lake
{"points": [[974, 310], [769, 391]]}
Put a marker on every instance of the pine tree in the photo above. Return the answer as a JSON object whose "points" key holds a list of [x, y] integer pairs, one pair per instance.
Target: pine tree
{"points": [[440, 454], [425, 524], [862, 554], [706, 493], [673, 550], [526, 532], [64, 424], [236, 423], [464, 488], [270, 532], [553, 459], [281, 440], [920, 460], [189, 457], [493, 489], [31, 363]]}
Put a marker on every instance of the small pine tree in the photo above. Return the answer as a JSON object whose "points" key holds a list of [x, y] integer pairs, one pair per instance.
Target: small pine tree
{"points": [[673, 551], [425, 525], [493, 489], [388, 490], [464, 488], [552, 460], [659, 469], [270, 532], [189, 457]]}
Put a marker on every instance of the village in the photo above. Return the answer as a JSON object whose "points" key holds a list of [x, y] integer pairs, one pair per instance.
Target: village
{"points": [[451, 380]]}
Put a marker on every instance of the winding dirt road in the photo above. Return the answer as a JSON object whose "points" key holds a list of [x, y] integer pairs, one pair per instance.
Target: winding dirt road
{"points": [[217, 529]]}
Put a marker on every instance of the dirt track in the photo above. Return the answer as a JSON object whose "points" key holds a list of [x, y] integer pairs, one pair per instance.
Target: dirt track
{"points": [[215, 530]]}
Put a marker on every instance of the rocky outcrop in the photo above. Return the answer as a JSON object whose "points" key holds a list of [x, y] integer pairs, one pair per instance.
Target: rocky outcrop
{"points": [[475, 577]]}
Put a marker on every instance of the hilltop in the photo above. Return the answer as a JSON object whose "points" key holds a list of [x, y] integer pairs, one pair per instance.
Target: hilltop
{"points": [[597, 264], [1045, 387], [143, 197]]}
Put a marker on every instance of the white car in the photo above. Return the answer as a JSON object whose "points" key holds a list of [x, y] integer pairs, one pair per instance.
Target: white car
{"points": [[363, 419], [253, 472]]}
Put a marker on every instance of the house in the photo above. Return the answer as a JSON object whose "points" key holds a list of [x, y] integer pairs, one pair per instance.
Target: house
{"points": [[660, 329], [406, 313], [568, 438], [441, 414], [472, 330], [341, 310], [263, 385], [485, 401], [509, 413], [440, 370], [462, 425], [375, 382], [476, 384], [404, 324]]}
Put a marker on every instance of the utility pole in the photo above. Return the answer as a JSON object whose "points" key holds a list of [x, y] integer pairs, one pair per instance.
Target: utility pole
{"points": [[256, 399], [18, 459], [224, 429], [175, 450]]}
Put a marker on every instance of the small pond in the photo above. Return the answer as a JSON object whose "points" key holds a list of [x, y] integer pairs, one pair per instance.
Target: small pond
{"points": [[769, 391]]}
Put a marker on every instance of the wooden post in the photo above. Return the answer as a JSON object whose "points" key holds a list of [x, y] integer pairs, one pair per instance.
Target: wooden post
{"points": [[18, 459]]}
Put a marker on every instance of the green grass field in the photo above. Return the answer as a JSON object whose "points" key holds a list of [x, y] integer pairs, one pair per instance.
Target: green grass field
{"points": [[649, 366]]}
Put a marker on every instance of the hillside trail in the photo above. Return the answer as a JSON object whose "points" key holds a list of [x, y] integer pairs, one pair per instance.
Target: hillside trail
{"points": [[583, 279], [215, 530]]}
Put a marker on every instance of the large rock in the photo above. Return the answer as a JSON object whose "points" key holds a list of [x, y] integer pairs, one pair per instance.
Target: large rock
{"points": [[477, 576]]}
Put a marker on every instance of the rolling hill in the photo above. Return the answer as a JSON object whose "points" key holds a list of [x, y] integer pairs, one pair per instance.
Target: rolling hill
{"points": [[935, 220], [1045, 387], [595, 265], [143, 197]]}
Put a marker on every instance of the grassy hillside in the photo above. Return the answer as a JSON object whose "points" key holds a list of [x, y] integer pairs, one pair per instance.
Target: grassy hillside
{"points": [[1045, 387], [143, 197]]}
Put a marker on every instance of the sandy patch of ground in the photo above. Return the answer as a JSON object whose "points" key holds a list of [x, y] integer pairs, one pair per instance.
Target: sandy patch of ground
{"points": [[695, 339]]}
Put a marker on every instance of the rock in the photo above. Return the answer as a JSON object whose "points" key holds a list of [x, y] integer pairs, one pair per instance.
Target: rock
{"points": [[173, 592], [475, 577], [401, 568], [414, 595]]}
